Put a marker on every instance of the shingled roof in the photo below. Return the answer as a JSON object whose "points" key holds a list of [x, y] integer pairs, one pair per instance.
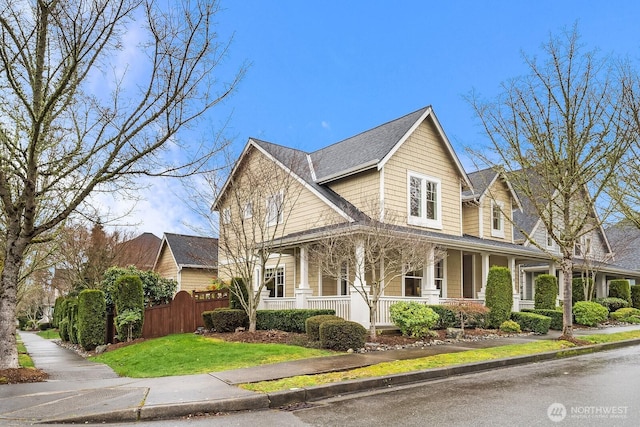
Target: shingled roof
{"points": [[193, 251]]}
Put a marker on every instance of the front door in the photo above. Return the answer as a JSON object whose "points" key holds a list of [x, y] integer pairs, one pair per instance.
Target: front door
{"points": [[467, 276]]}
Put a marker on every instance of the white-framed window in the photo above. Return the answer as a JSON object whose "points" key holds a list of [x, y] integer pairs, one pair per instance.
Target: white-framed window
{"points": [[550, 242], [247, 210], [497, 219], [424, 195], [582, 247], [226, 216], [438, 276], [275, 214], [274, 281], [413, 283]]}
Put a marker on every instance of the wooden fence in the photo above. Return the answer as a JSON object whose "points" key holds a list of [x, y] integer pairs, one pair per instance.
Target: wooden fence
{"points": [[183, 314]]}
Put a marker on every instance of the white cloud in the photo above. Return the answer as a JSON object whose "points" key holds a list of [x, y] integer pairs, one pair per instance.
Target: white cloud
{"points": [[325, 125]]}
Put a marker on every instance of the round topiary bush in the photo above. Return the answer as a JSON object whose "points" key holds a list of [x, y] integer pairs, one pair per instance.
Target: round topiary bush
{"points": [[622, 313], [510, 326], [312, 325], [589, 313], [546, 292], [413, 319], [342, 335], [612, 304], [620, 289], [499, 296]]}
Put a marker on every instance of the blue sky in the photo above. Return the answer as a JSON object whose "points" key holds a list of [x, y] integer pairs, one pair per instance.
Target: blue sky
{"points": [[323, 71]]}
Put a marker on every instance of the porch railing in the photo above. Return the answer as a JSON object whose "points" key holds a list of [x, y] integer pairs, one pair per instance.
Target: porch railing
{"points": [[455, 301], [383, 317], [527, 304], [341, 304], [280, 303]]}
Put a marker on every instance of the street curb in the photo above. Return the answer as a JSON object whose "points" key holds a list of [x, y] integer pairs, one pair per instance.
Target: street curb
{"points": [[246, 403], [308, 394]]}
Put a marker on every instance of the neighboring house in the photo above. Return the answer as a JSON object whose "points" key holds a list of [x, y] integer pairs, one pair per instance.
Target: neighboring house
{"points": [[140, 252], [625, 244], [409, 170], [192, 261]]}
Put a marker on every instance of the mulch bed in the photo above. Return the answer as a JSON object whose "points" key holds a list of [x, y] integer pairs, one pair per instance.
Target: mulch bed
{"points": [[22, 375]]}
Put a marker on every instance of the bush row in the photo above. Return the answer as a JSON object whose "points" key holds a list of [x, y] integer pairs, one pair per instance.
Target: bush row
{"points": [[532, 322], [554, 315], [227, 319]]}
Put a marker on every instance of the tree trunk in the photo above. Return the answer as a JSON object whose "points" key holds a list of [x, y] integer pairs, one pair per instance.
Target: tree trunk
{"points": [[567, 306], [373, 309], [8, 300]]}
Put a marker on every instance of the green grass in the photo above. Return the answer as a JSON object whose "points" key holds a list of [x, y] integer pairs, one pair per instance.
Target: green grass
{"points": [[604, 338], [49, 334], [184, 354], [24, 360], [402, 366]]}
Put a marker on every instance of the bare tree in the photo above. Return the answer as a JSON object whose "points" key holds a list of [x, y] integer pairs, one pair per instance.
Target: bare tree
{"points": [[75, 123], [372, 252], [254, 206], [560, 133]]}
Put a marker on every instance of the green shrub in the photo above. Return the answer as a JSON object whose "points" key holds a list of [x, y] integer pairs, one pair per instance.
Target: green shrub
{"points": [[612, 304], [238, 285], [228, 319], [589, 313], [156, 289], [546, 292], [44, 326], [447, 319], [312, 325], [129, 299], [635, 296], [57, 311], [207, 320], [92, 318], [509, 326], [620, 289], [499, 296], [554, 315], [622, 313], [63, 329], [532, 322], [577, 289], [413, 319], [72, 316], [342, 335], [287, 320]]}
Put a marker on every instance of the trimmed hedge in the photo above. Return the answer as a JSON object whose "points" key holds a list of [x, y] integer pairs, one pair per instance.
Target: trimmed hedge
{"points": [[228, 319], [635, 296], [546, 292], [342, 335], [312, 325], [532, 322], [589, 313], [206, 319], [554, 315], [57, 311], [129, 297], [63, 321], [612, 304], [448, 317], [624, 313], [510, 326], [620, 289], [92, 318], [287, 320], [72, 317], [413, 319], [499, 296]]}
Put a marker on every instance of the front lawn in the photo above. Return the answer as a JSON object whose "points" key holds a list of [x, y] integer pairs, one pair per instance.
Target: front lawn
{"points": [[49, 334], [185, 354]]}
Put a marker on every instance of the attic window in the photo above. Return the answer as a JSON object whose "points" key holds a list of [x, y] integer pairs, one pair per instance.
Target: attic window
{"points": [[424, 200], [497, 219]]}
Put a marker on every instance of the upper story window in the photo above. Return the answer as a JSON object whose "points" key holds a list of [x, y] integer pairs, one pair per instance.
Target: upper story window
{"points": [[550, 243], [247, 211], [275, 214], [497, 219], [226, 216], [424, 200], [582, 247]]}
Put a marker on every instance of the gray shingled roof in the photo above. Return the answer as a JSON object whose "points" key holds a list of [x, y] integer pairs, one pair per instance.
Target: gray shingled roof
{"points": [[480, 181], [366, 148], [193, 250], [624, 238]]}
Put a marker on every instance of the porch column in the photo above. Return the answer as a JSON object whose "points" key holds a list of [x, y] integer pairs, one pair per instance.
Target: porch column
{"points": [[553, 270], [560, 285], [429, 290], [484, 265], [359, 306], [516, 295], [303, 291]]}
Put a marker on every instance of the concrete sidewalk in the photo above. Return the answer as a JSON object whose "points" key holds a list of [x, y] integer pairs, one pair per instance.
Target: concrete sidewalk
{"points": [[82, 391]]}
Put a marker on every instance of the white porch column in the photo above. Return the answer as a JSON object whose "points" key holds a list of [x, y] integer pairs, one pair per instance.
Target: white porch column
{"points": [[303, 291], [359, 307], [560, 285], [429, 290], [516, 295], [484, 265], [553, 270]]}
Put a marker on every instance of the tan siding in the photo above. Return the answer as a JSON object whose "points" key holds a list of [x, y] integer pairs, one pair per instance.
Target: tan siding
{"points": [[454, 278], [195, 279], [166, 265], [394, 288], [498, 261], [362, 190], [500, 193], [471, 220], [425, 153]]}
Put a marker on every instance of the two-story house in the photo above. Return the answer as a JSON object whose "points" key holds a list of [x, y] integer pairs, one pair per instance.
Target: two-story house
{"points": [[405, 169]]}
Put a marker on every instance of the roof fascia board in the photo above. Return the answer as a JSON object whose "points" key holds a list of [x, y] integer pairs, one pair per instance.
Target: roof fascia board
{"points": [[351, 171]]}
